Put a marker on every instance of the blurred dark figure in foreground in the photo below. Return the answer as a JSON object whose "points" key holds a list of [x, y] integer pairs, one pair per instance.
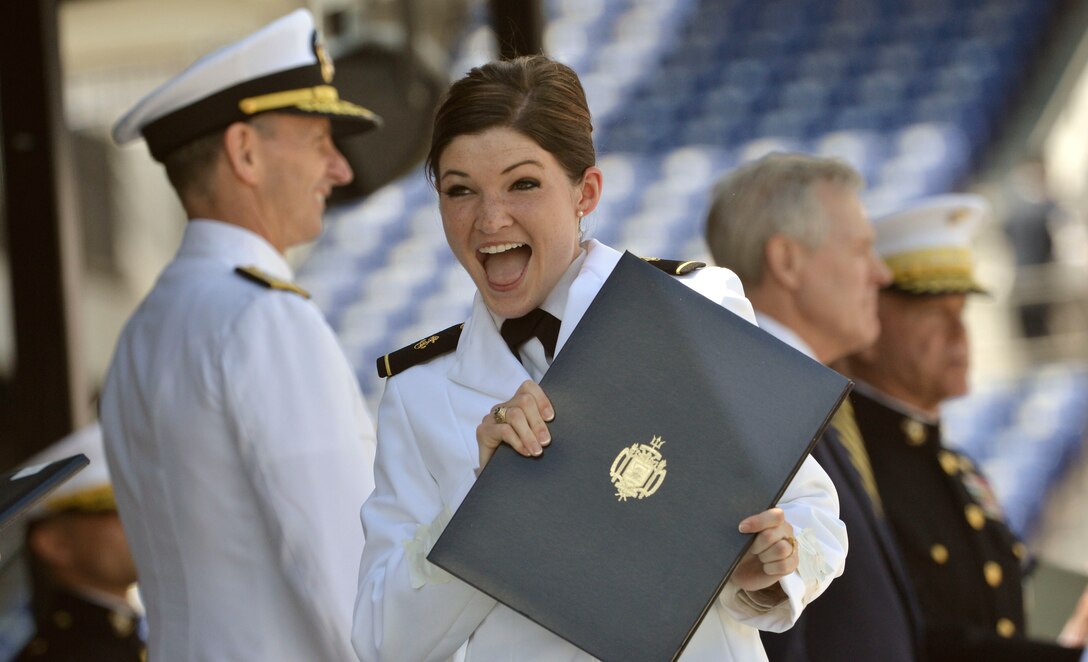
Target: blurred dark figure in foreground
{"points": [[81, 570]]}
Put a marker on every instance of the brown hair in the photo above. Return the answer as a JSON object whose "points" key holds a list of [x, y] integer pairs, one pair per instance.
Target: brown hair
{"points": [[189, 168], [533, 95]]}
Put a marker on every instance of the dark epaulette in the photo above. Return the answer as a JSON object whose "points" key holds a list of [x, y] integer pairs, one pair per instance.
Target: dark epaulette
{"points": [[432, 346], [675, 267], [261, 278]]}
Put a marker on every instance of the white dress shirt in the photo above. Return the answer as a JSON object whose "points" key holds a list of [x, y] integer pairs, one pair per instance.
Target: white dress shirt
{"points": [[241, 451], [427, 459]]}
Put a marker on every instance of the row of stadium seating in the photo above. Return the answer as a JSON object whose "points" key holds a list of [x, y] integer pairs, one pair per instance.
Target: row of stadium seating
{"points": [[908, 91]]}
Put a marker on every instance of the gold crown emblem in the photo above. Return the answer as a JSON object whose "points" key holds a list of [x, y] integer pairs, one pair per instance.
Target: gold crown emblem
{"points": [[639, 470]]}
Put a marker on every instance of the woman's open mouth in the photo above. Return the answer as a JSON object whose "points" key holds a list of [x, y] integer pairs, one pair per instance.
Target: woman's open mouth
{"points": [[504, 264]]}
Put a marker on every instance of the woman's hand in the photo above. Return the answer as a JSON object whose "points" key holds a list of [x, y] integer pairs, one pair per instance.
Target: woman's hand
{"points": [[773, 553], [518, 422]]}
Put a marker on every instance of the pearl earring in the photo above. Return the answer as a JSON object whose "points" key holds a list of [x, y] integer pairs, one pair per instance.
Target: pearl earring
{"points": [[581, 213]]}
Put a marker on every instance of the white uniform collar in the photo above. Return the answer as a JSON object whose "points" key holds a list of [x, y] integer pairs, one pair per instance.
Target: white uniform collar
{"points": [[233, 245], [480, 367], [784, 333]]}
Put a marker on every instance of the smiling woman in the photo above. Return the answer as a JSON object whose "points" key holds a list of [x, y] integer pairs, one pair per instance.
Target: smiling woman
{"points": [[513, 163]]}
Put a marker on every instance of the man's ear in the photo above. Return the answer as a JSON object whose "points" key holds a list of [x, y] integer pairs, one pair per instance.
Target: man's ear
{"points": [[50, 542], [784, 260], [241, 147]]}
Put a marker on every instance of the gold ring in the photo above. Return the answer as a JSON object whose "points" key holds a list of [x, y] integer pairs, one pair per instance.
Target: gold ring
{"points": [[793, 543], [499, 414]]}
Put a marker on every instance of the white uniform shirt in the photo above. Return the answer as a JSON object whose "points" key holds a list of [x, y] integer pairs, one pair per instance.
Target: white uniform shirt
{"points": [[427, 459], [241, 452]]}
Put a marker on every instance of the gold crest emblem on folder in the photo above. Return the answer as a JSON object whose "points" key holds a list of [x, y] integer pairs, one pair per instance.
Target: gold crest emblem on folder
{"points": [[639, 470]]}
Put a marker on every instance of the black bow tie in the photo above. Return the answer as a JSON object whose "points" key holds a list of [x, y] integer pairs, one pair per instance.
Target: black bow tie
{"points": [[536, 323]]}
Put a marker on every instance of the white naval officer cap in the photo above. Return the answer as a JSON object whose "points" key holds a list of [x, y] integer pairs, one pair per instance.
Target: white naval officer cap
{"points": [[89, 490], [927, 245], [281, 67]]}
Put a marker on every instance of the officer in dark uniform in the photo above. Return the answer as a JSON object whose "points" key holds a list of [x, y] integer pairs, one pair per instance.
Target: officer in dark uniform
{"points": [[965, 563], [81, 570]]}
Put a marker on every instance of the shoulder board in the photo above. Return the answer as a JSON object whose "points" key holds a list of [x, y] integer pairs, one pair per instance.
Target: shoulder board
{"points": [[261, 278], [675, 267], [432, 346]]}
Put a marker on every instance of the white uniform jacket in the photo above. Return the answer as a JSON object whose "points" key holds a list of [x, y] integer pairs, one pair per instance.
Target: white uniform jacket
{"points": [[409, 610], [241, 452]]}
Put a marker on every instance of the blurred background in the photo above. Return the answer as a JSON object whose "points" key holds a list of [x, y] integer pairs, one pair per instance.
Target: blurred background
{"points": [[922, 96]]}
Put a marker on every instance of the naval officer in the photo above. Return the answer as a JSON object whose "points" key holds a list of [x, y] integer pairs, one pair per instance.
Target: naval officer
{"points": [[238, 440], [965, 563], [513, 162], [82, 576]]}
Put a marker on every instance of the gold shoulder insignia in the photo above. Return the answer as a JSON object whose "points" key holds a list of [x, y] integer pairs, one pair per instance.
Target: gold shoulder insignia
{"points": [[432, 346], [675, 267], [261, 278]]}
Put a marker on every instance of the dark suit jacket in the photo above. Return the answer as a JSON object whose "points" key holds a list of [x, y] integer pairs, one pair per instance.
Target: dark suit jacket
{"points": [[869, 613]]}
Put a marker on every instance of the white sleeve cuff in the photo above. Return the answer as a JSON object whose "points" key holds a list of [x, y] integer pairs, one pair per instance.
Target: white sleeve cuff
{"points": [[420, 570]]}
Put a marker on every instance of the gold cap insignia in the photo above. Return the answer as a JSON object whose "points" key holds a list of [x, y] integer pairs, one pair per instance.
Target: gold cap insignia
{"points": [[327, 68], [638, 470]]}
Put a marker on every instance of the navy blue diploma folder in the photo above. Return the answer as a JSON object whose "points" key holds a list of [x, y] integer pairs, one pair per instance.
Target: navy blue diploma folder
{"points": [[675, 420], [22, 488]]}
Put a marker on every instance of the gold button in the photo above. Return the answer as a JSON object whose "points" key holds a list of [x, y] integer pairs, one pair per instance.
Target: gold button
{"points": [[949, 462], [62, 619], [915, 431], [993, 573], [939, 553], [976, 517], [1019, 550], [1005, 627], [123, 625]]}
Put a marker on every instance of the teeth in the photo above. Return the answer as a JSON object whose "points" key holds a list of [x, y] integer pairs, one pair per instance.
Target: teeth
{"points": [[499, 248]]}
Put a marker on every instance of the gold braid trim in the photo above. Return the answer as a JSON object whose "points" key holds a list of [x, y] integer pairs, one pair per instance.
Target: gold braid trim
{"points": [[317, 99], [92, 500], [940, 269]]}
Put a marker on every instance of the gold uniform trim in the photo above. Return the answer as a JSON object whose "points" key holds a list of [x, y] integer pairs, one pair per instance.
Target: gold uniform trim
{"points": [[256, 275], [316, 99], [942, 269], [93, 500]]}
